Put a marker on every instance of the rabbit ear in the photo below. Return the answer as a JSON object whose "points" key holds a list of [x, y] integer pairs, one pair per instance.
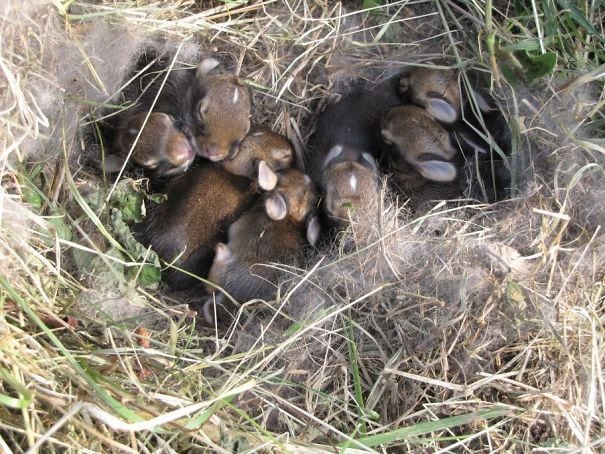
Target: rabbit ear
{"points": [[388, 136], [434, 170], [473, 141], [267, 179], [334, 152], [205, 66], [222, 253], [276, 208], [482, 100], [370, 162], [313, 230], [209, 308], [203, 106], [442, 110]]}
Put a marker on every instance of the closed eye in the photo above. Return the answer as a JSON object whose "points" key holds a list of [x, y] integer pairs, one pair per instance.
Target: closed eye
{"points": [[430, 157], [434, 94], [234, 149]]}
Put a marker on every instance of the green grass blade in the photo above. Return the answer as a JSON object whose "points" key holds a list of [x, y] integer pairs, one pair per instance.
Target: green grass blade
{"points": [[357, 385], [580, 19], [95, 388], [424, 428]]}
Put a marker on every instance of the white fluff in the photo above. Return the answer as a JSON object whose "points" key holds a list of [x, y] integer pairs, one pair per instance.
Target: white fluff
{"points": [[353, 182]]}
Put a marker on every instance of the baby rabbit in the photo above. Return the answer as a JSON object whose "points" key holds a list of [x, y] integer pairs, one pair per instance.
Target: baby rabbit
{"points": [[425, 166], [419, 141], [435, 90], [350, 179], [260, 145], [200, 206], [421, 158], [483, 136], [160, 146], [276, 230], [210, 110], [222, 112], [347, 141]]}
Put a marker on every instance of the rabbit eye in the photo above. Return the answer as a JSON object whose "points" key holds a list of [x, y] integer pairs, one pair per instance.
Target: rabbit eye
{"points": [[434, 94], [234, 149]]}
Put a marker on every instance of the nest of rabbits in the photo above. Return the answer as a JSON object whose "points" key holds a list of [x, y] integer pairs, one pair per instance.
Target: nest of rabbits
{"points": [[477, 320]]}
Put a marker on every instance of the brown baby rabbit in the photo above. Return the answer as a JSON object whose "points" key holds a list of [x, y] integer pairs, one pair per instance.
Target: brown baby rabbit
{"points": [[350, 179], [260, 145], [222, 112], [436, 90], [211, 110], [474, 122], [160, 147], [200, 206], [276, 230], [426, 166], [419, 141]]}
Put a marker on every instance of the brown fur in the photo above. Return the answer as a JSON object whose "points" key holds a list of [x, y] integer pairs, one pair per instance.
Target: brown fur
{"points": [[299, 192], [160, 145], [353, 124], [261, 144], [210, 110], [423, 85], [420, 141], [417, 140], [224, 113], [256, 239], [200, 206], [340, 195]]}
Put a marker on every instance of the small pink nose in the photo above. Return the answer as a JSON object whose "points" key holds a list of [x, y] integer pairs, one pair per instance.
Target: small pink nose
{"points": [[212, 149]]}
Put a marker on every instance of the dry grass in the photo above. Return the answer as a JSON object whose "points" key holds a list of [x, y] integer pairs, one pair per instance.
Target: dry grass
{"points": [[469, 329]]}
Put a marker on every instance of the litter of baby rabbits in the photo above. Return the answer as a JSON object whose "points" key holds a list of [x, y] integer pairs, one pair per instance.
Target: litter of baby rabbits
{"points": [[401, 121], [300, 226]]}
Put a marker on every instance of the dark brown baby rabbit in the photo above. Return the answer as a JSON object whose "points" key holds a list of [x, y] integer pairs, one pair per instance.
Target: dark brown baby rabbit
{"points": [[275, 230], [160, 146], [347, 142], [200, 206]]}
